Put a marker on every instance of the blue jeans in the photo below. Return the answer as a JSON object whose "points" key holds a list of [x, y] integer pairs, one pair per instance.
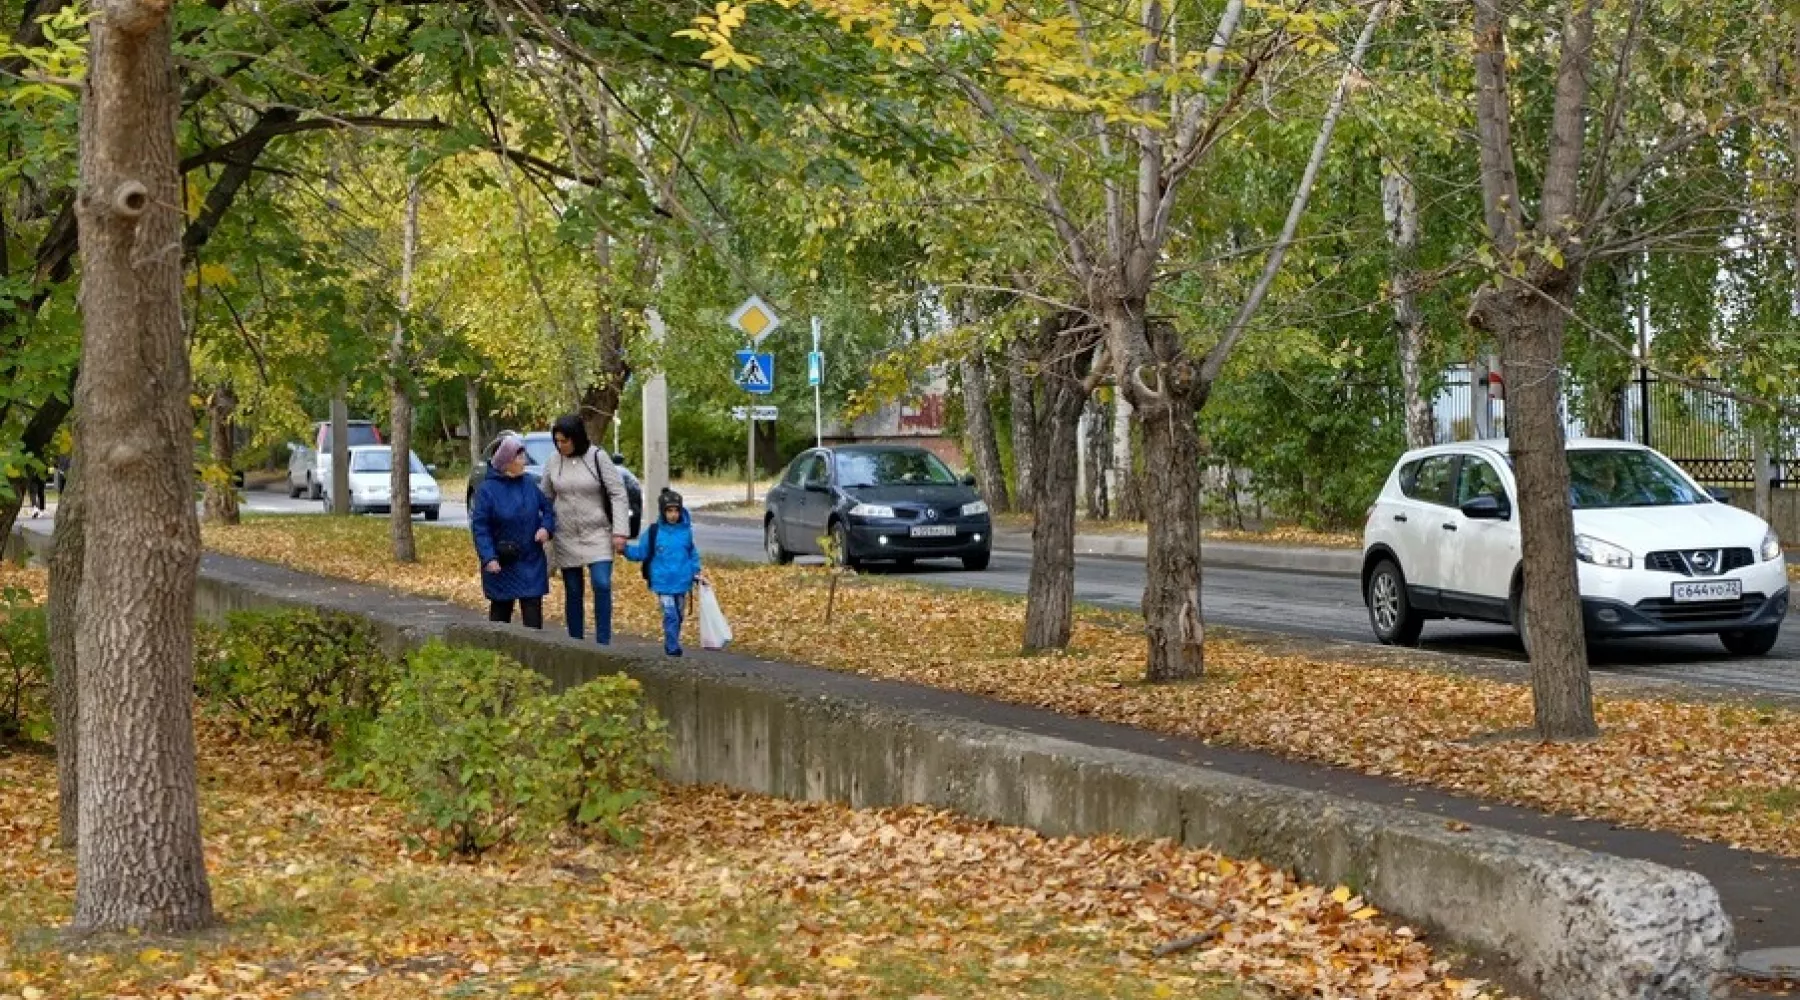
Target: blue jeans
{"points": [[672, 607], [573, 612]]}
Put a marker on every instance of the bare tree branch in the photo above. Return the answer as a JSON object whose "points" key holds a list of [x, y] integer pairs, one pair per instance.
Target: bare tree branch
{"points": [[1216, 358]]}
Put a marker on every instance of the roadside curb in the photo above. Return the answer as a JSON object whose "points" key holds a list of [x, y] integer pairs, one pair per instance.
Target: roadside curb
{"points": [[1228, 555]]}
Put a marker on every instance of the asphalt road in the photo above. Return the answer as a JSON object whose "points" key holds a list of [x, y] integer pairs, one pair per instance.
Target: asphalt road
{"points": [[1320, 607]]}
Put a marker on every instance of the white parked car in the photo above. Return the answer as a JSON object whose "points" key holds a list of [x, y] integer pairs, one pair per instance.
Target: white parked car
{"points": [[371, 467], [1658, 554]]}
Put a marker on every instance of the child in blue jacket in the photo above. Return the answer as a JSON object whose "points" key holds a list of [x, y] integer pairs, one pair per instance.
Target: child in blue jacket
{"points": [[671, 563]]}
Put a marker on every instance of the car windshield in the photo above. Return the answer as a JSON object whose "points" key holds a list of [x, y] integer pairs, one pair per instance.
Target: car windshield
{"points": [[892, 468], [539, 450], [381, 461], [1626, 477]]}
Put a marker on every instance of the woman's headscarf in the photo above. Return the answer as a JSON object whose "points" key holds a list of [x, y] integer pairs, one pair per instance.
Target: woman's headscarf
{"points": [[504, 453]]}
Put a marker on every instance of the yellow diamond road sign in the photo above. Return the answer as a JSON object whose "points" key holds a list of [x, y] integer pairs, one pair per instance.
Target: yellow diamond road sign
{"points": [[755, 319]]}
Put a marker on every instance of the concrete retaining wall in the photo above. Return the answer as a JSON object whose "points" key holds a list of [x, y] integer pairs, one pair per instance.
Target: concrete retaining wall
{"points": [[1576, 925]]}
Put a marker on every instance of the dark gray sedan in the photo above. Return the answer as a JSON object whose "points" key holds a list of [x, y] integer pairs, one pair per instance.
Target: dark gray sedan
{"points": [[876, 503]]}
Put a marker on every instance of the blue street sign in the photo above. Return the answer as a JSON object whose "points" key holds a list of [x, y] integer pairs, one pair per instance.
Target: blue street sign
{"points": [[815, 367], [756, 372]]}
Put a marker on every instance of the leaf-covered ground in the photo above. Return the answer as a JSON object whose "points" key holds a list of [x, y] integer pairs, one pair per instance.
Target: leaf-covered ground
{"points": [[1723, 771], [321, 894]]}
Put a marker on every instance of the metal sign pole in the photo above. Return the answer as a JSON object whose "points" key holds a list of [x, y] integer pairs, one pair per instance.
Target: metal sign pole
{"points": [[818, 418], [750, 462]]}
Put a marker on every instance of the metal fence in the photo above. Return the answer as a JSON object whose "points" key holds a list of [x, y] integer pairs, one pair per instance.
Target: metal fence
{"points": [[1705, 431]]}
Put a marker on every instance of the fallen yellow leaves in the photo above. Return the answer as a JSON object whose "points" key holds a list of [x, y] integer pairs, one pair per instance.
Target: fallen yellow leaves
{"points": [[1726, 772], [321, 895]]}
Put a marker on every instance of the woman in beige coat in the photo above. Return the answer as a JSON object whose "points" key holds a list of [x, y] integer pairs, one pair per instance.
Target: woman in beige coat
{"points": [[591, 518]]}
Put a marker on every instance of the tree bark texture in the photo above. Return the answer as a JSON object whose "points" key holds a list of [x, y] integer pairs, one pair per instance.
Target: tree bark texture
{"points": [[1400, 206], [1098, 500], [400, 525], [600, 398], [1020, 366], [66, 555], [1123, 481], [139, 858], [1050, 594], [221, 501], [984, 443], [1170, 440], [1527, 315], [472, 401]]}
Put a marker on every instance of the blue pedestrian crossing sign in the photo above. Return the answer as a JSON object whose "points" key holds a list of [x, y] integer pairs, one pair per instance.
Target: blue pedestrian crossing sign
{"points": [[815, 368], [756, 372]]}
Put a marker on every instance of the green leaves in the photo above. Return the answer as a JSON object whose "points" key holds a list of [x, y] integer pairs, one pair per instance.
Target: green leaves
{"points": [[483, 755], [24, 667]]}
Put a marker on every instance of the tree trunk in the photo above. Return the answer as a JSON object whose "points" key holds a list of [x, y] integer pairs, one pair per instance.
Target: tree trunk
{"points": [[472, 400], [1050, 594], [1172, 618], [1400, 205], [1099, 451], [400, 526], [140, 862], [600, 399], [1531, 337], [66, 554], [221, 487], [1020, 372], [984, 444], [340, 455], [1122, 477]]}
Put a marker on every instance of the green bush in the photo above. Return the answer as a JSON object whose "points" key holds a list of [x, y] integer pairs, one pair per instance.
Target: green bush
{"points": [[24, 667], [483, 755], [294, 672], [603, 744]]}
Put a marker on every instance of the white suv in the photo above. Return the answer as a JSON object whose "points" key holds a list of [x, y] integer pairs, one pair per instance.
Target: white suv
{"points": [[1658, 554]]}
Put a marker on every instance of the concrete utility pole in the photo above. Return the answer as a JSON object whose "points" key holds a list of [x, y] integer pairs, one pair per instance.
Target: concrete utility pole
{"points": [[656, 417], [340, 455]]}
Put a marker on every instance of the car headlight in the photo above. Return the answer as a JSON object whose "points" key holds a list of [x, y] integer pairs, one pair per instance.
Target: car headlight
{"points": [[871, 510], [1593, 550], [974, 509], [1771, 546]]}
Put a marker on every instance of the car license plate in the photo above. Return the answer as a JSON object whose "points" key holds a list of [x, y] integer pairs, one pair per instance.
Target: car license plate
{"points": [[934, 531], [1711, 590]]}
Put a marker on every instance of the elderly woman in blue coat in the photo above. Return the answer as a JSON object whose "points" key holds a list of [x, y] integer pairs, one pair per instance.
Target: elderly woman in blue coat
{"points": [[511, 521]]}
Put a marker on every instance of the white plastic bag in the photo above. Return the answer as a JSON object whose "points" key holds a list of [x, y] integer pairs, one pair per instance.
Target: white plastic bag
{"points": [[715, 631]]}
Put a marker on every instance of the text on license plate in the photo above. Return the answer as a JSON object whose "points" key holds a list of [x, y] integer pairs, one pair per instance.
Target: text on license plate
{"points": [[1711, 590], [934, 531]]}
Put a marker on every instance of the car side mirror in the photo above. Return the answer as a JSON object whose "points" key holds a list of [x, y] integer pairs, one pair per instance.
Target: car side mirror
{"points": [[618, 459], [968, 479], [293, 446], [1487, 507], [1722, 496], [431, 469], [817, 488]]}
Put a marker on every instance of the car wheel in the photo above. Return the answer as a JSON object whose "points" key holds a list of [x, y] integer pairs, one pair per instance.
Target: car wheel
{"points": [[1751, 641], [977, 562], [294, 491], [778, 555], [312, 488], [840, 541], [431, 513], [1391, 614]]}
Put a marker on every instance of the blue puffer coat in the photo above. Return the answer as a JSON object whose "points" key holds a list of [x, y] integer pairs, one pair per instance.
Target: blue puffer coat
{"points": [[675, 562], [512, 509]]}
